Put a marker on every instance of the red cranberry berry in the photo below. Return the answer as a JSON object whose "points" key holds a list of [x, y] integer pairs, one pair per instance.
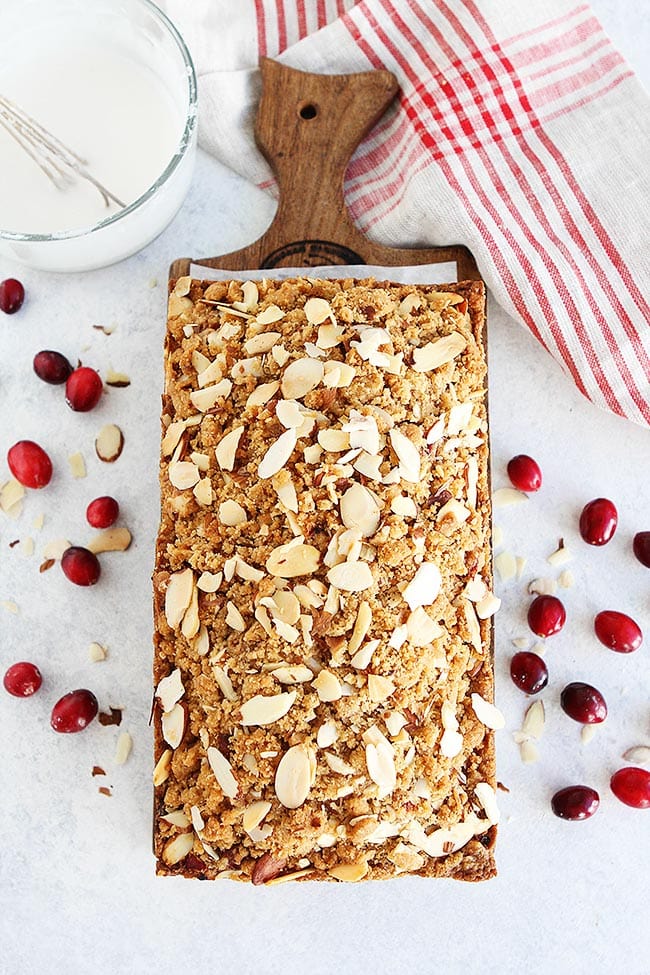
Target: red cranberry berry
{"points": [[632, 786], [598, 521], [29, 464], [80, 566], [618, 631], [529, 672], [546, 615], [525, 473], [102, 512], [52, 367], [575, 802], [83, 389], [74, 711], [22, 679], [583, 703], [641, 546], [12, 295]]}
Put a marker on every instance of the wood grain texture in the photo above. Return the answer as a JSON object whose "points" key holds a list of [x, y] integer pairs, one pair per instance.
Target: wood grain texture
{"points": [[308, 126]]}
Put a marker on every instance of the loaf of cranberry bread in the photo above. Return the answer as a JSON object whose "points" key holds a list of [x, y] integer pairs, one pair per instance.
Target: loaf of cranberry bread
{"points": [[323, 587]]}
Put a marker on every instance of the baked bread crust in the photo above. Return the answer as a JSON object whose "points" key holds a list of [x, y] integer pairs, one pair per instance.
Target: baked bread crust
{"points": [[363, 755]]}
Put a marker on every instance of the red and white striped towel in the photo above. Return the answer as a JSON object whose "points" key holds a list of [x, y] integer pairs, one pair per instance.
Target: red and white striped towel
{"points": [[520, 131]]}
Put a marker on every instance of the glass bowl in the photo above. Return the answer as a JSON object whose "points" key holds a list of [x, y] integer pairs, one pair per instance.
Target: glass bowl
{"points": [[142, 32]]}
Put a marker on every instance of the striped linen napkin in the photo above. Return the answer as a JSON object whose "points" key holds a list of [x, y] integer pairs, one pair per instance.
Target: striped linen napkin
{"points": [[520, 131]]}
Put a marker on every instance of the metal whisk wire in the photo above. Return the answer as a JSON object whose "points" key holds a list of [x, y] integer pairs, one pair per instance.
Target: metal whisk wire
{"points": [[60, 164]]}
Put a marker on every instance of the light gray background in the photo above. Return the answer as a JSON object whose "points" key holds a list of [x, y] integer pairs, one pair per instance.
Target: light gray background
{"points": [[77, 891]]}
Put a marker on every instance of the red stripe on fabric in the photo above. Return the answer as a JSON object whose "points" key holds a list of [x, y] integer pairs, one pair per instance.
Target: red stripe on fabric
{"points": [[598, 228], [569, 39], [549, 23], [375, 156], [302, 19], [261, 27], [321, 14], [282, 26], [568, 62], [601, 319], [570, 107], [388, 188], [501, 265], [448, 92], [565, 86]]}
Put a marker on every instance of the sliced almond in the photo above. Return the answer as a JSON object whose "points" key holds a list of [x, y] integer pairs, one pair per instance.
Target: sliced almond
{"points": [[97, 652], [488, 606], [528, 752], [506, 565], [327, 734], [231, 513], [292, 674], [277, 454], [328, 686], [293, 776], [438, 353], [408, 455], [172, 437], [211, 373], [178, 596], [263, 710], [110, 540], [560, 556], [183, 474], [271, 314], [504, 497], [317, 310], [226, 449], [170, 690], [379, 688], [11, 494], [262, 394], [349, 872], [77, 465], [285, 490], [334, 441], [424, 587], [173, 725], [224, 682], [300, 377], [178, 848], [404, 506], [362, 658], [544, 586], [534, 720], [360, 509], [639, 754], [234, 618], [351, 576], [329, 336], [191, 622], [361, 627], [421, 629], [204, 399], [161, 771], [254, 815], [259, 344], [291, 560], [338, 375], [123, 748], [488, 800], [338, 765], [223, 772], [203, 492], [487, 713], [208, 581], [380, 762]]}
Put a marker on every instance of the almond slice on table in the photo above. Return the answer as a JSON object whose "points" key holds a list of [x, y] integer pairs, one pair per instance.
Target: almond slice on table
{"points": [[110, 540], [77, 465]]}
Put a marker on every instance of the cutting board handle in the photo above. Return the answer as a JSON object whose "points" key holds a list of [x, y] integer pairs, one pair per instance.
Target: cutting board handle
{"points": [[308, 126]]}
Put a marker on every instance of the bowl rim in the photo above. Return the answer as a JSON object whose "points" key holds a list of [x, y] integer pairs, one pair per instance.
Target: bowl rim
{"points": [[184, 144]]}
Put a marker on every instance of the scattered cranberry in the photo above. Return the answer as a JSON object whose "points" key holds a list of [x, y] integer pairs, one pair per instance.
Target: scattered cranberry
{"points": [[618, 631], [546, 615], [22, 679], [52, 367], [12, 295], [575, 802], [529, 672], [525, 473], [583, 703], [598, 521], [632, 786], [102, 512], [74, 711], [80, 566], [83, 389], [29, 464], [641, 546]]}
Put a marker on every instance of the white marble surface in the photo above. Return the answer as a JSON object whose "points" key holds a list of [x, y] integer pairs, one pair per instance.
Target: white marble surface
{"points": [[77, 890]]}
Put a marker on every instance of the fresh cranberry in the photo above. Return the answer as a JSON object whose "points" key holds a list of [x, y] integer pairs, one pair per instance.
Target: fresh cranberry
{"points": [[83, 389], [583, 703], [598, 521], [618, 631], [546, 615], [23, 679], [641, 546], [12, 295], [52, 367], [525, 473], [632, 786], [575, 802], [29, 464], [80, 566], [74, 711], [529, 672], [102, 512]]}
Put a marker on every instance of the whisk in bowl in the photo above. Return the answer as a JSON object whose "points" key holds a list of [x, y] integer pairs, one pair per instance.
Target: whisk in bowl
{"points": [[59, 163]]}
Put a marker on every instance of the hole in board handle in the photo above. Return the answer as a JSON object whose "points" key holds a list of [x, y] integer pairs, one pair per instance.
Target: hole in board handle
{"points": [[308, 111]]}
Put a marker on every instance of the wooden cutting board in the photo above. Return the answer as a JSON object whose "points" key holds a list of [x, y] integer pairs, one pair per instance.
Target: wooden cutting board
{"points": [[308, 126]]}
